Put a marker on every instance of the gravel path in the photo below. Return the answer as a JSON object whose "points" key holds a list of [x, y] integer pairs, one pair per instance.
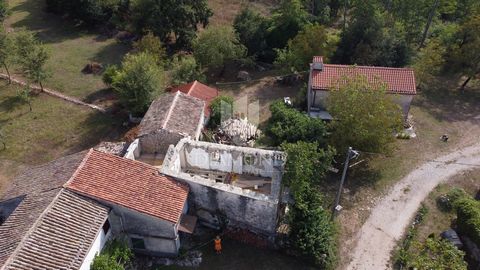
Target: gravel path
{"points": [[393, 213]]}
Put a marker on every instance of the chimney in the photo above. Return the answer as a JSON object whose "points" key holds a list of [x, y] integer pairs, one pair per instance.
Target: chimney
{"points": [[317, 63]]}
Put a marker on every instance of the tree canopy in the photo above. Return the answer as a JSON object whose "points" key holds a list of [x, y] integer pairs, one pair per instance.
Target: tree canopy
{"points": [[185, 69], [437, 254], [365, 116], [252, 27], [138, 81]]}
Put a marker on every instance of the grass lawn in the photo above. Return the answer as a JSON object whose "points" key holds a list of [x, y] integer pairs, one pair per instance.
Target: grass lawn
{"points": [[52, 129], [71, 47], [224, 11], [238, 256]]}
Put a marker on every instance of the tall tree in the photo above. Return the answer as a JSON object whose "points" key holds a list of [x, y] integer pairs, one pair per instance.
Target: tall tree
{"points": [[138, 82], [166, 17], [32, 57], [151, 45], [311, 41], [364, 115], [7, 52], [185, 69], [287, 20], [252, 27], [216, 45]]}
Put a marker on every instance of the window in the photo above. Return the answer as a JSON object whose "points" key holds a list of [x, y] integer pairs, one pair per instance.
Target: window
{"points": [[106, 226], [138, 243], [248, 159], [215, 156]]}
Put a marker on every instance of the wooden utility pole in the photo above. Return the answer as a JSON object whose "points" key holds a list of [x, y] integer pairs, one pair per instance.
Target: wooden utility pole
{"points": [[342, 181]]}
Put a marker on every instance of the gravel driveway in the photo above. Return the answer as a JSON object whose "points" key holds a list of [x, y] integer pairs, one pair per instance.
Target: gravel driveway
{"points": [[393, 213]]}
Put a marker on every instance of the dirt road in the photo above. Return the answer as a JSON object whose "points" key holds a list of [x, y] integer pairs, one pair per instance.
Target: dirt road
{"points": [[393, 213]]}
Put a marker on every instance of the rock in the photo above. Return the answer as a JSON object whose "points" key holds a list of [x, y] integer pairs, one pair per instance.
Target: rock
{"points": [[93, 68], [244, 75]]}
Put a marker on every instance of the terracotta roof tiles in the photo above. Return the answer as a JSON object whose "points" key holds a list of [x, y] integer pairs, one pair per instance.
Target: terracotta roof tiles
{"points": [[200, 91]]}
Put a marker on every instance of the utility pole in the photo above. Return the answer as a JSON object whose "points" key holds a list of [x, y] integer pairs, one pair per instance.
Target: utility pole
{"points": [[350, 151]]}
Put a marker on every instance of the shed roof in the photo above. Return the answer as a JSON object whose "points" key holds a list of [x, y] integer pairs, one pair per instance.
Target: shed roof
{"points": [[200, 91], [176, 112], [62, 237], [34, 190], [397, 80], [129, 183]]}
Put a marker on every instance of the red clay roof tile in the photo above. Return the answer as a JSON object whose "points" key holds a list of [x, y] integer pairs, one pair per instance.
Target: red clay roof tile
{"points": [[131, 184], [398, 80]]}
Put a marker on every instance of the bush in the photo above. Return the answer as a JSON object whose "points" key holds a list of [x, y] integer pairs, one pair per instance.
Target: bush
{"points": [[109, 75], [185, 69], [152, 45], [138, 82], [289, 125], [116, 255], [252, 27], [468, 218], [436, 254], [221, 109]]}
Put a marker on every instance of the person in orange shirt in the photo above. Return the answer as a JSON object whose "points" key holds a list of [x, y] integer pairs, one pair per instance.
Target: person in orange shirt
{"points": [[218, 244]]}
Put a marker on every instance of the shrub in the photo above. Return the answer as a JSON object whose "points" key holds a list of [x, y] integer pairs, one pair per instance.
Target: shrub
{"points": [[152, 45], [468, 218], [109, 74], [116, 255], [289, 125], [436, 254], [185, 69], [252, 27], [221, 109]]}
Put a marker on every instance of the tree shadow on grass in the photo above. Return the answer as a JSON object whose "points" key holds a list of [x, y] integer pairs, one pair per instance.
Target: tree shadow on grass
{"points": [[445, 102], [112, 54]]}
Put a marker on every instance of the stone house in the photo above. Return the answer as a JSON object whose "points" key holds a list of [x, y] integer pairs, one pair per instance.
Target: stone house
{"points": [[400, 83], [60, 215], [169, 118], [241, 184], [200, 91]]}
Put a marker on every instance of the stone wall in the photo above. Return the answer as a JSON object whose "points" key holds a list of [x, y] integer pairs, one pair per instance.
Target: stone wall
{"points": [[242, 207], [159, 141]]}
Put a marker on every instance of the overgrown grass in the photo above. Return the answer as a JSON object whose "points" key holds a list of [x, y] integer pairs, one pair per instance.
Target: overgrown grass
{"points": [[71, 47], [52, 129]]}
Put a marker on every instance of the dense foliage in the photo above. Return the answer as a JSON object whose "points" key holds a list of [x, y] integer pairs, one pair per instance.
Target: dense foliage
{"points": [[221, 109], [185, 69], [3, 10], [365, 116], [289, 125], [91, 12], [468, 217], [153, 46], [116, 255], [311, 41], [312, 232], [216, 45], [436, 253], [138, 81], [252, 27]]}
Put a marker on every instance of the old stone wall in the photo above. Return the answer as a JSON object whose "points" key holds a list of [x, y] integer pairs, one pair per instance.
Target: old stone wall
{"points": [[159, 141]]}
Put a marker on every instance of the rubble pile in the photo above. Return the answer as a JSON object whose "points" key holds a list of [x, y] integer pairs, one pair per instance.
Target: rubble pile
{"points": [[238, 132]]}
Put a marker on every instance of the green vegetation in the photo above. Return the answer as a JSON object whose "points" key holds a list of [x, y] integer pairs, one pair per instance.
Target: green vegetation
{"points": [[7, 49], [221, 109], [311, 41], [437, 253], [312, 232], [185, 69], [289, 125], [216, 45], [153, 46], [468, 217], [116, 255], [3, 10], [365, 116], [138, 81], [251, 27]]}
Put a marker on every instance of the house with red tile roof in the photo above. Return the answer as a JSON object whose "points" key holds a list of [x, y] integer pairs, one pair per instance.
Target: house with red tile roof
{"points": [[200, 91], [146, 206], [400, 82]]}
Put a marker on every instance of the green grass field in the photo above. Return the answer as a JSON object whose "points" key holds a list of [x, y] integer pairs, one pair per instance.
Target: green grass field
{"points": [[71, 47]]}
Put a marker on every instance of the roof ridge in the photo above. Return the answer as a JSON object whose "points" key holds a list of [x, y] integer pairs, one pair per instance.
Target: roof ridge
{"points": [[192, 87], [369, 67], [167, 118]]}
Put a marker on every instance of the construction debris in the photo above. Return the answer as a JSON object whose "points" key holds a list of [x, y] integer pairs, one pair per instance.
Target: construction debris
{"points": [[114, 148], [238, 132]]}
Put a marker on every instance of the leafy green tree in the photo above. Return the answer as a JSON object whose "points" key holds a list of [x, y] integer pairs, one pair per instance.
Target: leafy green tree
{"points": [[90, 12], [7, 52], [185, 69], [312, 232], [289, 125], [138, 82], [364, 115], [32, 56], [216, 45], [152, 45], [221, 109], [23, 95], [116, 255], [311, 41], [164, 17], [437, 254], [464, 54], [287, 20], [252, 27], [429, 62]]}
